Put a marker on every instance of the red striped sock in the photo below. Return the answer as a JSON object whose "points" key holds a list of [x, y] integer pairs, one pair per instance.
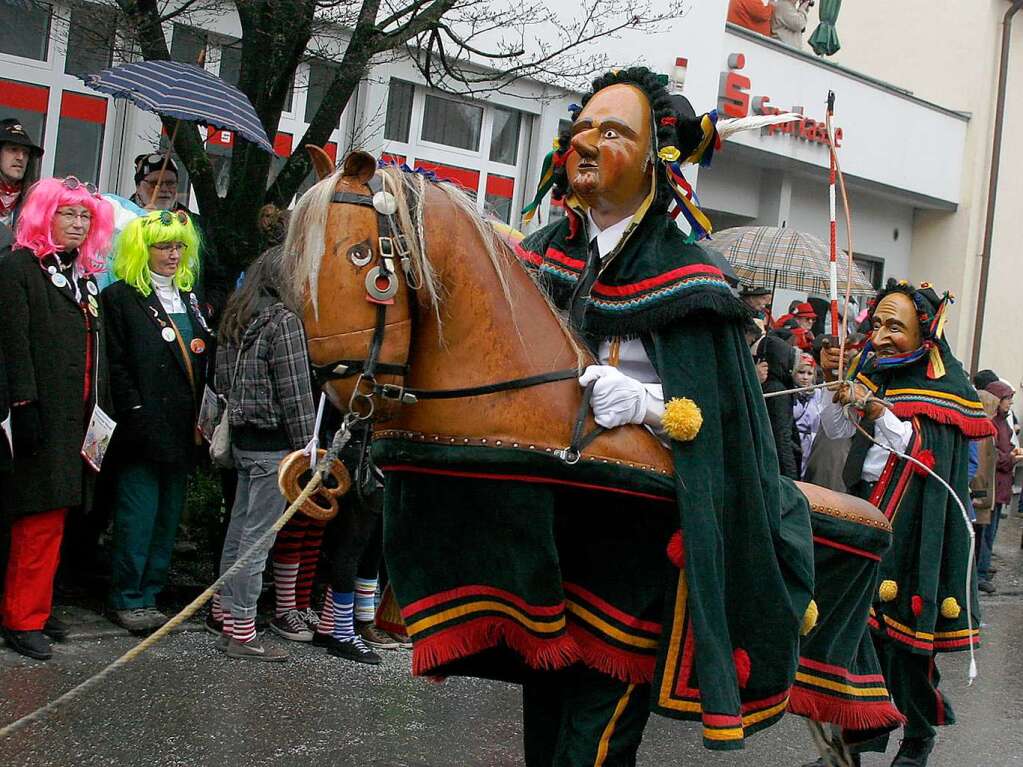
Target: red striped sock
{"points": [[244, 629], [216, 609], [228, 629], [285, 575], [327, 614], [310, 558]]}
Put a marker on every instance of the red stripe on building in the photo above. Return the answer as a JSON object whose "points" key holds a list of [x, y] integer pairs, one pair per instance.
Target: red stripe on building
{"points": [[500, 186], [331, 149], [282, 144], [89, 109], [394, 159], [23, 96], [465, 178]]}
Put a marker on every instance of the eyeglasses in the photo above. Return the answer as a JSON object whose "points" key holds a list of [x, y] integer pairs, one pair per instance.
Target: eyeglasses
{"points": [[169, 185], [71, 182], [74, 215], [167, 247]]}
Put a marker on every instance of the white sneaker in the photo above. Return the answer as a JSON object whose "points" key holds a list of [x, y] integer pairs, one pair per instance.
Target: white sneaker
{"points": [[292, 626]]}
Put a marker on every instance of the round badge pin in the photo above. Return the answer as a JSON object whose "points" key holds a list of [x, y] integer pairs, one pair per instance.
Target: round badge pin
{"points": [[168, 334], [59, 280], [93, 310], [198, 346], [91, 287], [51, 269]]}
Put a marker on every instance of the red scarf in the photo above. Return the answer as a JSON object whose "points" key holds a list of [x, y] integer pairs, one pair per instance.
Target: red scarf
{"points": [[9, 194]]}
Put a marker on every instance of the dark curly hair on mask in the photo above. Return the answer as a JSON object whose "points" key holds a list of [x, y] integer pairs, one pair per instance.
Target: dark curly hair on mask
{"points": [[924, 299], [684, 132]]}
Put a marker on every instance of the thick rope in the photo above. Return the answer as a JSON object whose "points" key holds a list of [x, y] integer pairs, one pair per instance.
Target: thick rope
{"points": [[192, 607]]}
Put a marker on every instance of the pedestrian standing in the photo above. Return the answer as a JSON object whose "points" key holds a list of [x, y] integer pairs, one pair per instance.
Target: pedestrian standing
{"points": [[263, 372], [1007, 456], [19, 168], [781, 359], [158, 338], [50, 334], [982, 493], [806, 408]]}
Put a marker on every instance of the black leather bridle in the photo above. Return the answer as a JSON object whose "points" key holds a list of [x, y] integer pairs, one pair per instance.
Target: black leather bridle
{"points": [[392, 247]]}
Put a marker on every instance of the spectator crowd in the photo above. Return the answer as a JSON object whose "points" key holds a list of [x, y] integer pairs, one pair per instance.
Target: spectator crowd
{"points": [[114, 347], [122, 352]]}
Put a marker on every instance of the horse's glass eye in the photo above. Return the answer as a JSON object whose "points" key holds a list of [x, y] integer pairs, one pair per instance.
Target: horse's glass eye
{"points": [[360, 254]]}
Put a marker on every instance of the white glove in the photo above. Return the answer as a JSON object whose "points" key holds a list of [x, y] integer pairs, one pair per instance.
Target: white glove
{"points": [[617, 399]]}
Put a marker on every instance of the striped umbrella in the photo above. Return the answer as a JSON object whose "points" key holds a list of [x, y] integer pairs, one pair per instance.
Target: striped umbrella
{"points": [[768, 256], [184, 91]]}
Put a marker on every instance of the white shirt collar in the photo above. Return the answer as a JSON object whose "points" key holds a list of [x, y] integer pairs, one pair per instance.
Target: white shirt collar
{"points": [[608, 238], [161, 280]]}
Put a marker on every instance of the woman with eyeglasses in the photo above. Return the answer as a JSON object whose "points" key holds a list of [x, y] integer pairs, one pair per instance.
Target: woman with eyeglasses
{"points": [[56, 365], [159, 341]]}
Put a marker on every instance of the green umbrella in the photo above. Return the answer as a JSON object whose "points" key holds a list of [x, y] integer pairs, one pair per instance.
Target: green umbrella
{"points": [[824, 39]]}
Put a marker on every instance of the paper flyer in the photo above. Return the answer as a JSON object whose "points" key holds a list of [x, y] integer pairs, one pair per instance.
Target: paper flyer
{"points": [[97, 437]]}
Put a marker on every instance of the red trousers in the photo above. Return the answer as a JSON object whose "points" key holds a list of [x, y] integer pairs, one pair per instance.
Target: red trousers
{"points": [[35, 552]]}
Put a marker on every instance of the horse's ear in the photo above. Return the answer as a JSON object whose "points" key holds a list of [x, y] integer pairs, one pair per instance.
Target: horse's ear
{"points": [[359, 165], [322, 163]]}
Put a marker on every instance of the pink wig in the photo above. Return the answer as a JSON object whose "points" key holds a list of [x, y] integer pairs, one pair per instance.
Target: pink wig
{"points": [[35, 222]]}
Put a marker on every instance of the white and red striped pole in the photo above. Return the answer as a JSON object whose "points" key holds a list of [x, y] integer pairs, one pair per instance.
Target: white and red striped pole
{"points": [[832, 224]]}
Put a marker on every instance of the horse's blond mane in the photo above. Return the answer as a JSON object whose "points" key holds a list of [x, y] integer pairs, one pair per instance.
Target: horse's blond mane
{"points": [[305, 243]]}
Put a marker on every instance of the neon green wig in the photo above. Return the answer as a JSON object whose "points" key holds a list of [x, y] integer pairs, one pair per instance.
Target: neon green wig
{"points": [[131, 252]]}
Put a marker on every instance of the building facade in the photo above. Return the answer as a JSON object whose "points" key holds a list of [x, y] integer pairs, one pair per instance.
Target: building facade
{"points": [[912, 153]]}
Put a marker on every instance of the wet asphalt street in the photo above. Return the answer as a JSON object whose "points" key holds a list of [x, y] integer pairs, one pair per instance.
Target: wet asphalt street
{"points": [[186, 704]]}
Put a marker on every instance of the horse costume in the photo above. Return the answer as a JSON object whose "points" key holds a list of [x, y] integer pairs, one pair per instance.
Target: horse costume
{"points": [[605, 573]]}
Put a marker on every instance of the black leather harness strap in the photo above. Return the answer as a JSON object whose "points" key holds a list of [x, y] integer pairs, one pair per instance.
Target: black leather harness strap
{"points": [[476, 391]]}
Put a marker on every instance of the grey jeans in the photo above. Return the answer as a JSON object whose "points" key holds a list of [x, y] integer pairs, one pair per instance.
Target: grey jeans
{"points": [[258, 503]]}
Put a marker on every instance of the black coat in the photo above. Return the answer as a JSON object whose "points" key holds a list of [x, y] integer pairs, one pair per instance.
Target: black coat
{"points": [[5, 411], [780, 357], [43, 332], [150, 372]]}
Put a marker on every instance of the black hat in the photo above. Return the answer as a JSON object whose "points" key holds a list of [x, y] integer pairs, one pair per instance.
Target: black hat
{"points": [[151, 163], [13, 132], [753, 290]]}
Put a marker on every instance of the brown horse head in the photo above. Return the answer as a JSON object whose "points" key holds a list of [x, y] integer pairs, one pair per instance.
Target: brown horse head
{"points": [[465, 314], [353, 277]]}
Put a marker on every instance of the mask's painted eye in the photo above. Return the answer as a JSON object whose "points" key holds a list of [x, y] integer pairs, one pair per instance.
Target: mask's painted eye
{"points": [[609, 133], [360, 254]]}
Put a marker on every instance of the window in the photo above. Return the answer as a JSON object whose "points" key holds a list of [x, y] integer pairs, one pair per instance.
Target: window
{"points": [[452, 123], [500, 190], [504, 141], [25, 29], [399, 110], [230, 63], [320, 77], [872, 268], [26, 103], [187, 44], [80, 136], [90, 40], [290, 97]]}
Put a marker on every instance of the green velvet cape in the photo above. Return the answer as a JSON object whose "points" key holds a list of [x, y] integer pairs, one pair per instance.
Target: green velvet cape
{"points": [[732, 618], [921, 599]]}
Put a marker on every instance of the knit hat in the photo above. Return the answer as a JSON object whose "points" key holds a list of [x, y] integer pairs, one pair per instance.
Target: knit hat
{"points": [[13, 132], [1000, 389], [805, 310], [151, 163]]}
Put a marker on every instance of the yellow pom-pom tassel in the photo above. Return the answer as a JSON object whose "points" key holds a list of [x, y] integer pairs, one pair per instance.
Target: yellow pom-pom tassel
{"points": [[682, 419], [888, 591], [950, 608], [809, 618]]}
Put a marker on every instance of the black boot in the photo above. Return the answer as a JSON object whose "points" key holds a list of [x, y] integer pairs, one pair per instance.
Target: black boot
{"points": [[913, 752], [56, 629], [31, 643]]}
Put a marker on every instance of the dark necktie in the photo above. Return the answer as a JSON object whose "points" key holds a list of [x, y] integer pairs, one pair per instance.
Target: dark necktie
{"points": [[581, 294]]}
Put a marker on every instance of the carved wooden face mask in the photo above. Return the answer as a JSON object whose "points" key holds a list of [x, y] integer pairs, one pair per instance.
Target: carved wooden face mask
{"points": [[896, 326], [609, 166]]}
